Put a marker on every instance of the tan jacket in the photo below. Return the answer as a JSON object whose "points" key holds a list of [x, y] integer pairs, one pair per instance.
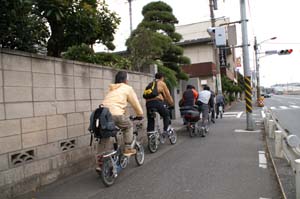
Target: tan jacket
{"points": [[164, 93], [117, 98]]}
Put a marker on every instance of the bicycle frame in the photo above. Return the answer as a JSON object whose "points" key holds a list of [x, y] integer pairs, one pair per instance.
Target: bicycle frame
{"points": [[111, 163]]}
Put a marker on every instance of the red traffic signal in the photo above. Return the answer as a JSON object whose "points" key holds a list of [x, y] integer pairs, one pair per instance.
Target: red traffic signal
{"points": [[285, 52]]}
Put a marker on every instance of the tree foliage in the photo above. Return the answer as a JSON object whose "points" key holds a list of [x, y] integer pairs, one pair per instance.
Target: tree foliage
{"points": [[154, 39], [20, 26], [24, 24], [146, 46], [230, 88], [73, 22], [85, 54]]}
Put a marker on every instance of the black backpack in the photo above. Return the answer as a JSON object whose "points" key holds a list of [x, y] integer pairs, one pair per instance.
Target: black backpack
{"points": [[102, 124], [151, 90]]}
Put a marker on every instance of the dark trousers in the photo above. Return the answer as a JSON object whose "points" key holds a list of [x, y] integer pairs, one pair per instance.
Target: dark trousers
{"points": [[212, 110], [163, 112]]}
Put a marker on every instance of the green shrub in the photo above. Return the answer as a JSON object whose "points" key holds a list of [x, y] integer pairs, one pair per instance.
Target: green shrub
{"points": [[85, 54], [80, 53]]}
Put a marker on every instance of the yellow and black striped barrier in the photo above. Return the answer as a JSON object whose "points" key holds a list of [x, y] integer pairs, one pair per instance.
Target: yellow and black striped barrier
{"points": [[248, 94]]}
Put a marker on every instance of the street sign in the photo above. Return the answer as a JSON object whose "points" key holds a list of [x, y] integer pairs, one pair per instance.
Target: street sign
{"points": [[238, 62], [271, 52], [222, 57]]}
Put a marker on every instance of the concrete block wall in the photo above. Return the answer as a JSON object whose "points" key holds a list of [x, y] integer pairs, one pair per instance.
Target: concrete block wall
{"points": [[45, 104]]}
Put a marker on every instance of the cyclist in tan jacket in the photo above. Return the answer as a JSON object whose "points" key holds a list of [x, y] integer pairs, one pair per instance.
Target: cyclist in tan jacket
{"points": [[116, 101], [158, 103]]}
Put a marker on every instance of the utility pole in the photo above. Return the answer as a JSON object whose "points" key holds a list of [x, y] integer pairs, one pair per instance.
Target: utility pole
{"points": [[257, 52], [215, 54], [257, 69], [247, 71], [130, 15]]}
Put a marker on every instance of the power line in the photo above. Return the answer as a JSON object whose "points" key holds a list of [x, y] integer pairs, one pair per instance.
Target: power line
{"points": [[289, 43]]}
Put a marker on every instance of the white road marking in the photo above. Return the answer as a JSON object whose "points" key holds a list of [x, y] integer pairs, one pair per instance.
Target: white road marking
{"points": [[283, 107], [239, 115], [287, 97], [264, 198], [272, 107], [262, 159], [246, 131], [263, 114], [230, 113], [294, 106]]}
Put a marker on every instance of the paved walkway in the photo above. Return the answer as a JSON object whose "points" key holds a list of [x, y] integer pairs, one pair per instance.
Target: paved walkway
{"points": [[230, 163]]}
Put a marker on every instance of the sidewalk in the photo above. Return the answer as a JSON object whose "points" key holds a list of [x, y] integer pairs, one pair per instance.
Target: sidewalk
{"points": [[230, 163]]}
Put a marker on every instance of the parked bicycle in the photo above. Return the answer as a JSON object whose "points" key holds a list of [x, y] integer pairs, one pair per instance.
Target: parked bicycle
{"points": [[157, 137], [111, 163]]}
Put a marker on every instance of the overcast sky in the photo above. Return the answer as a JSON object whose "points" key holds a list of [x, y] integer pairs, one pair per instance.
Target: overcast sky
{"points": [[267, 18]]}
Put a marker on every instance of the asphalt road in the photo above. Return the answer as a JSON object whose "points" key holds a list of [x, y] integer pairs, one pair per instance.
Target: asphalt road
{"points": [[286, 109], [226, 164]]}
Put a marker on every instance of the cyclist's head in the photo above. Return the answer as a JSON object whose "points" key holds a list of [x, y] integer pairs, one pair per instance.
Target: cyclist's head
{"points": [[206, 88], [159, 76], [121, 77], [189, 86]]}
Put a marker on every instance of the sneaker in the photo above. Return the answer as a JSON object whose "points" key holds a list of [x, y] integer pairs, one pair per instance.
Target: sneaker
{"points": [[98, 169], [203, 133], [206, 130], [129, 151], [213, 121]]}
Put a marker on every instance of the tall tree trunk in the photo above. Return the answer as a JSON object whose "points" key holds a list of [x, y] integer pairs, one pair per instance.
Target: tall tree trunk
{"points": [[56, 41]]}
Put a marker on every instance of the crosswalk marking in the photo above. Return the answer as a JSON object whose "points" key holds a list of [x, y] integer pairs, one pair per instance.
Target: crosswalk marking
{"points": [[294, 106], [283, 107], [230, 114]]}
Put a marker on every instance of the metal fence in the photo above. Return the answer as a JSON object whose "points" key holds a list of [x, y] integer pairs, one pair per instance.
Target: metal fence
{"points": [[286, 144]]}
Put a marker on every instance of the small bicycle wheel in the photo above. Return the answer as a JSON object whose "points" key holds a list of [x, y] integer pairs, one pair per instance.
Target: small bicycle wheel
{"points": [[140, 154], [173, 137], [191, 130], [107, 175], [152, 144], [221, 115]]}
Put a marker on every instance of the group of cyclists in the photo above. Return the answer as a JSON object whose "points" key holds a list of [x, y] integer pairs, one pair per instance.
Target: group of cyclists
{"points": [[120, 94], [203, 101]]}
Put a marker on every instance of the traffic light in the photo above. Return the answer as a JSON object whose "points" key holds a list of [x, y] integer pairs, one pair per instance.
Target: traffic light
{"points": [[285, 52]]}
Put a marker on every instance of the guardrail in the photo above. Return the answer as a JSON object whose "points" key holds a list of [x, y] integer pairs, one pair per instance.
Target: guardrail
{"points": [[286, 145]]}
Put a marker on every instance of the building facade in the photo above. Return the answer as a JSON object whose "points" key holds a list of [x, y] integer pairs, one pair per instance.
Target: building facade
{"points": [[199, 46]]}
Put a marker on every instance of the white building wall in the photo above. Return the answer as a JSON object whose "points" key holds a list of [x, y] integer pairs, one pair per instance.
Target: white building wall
{"points": [[197, 30], [199, 54]]}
